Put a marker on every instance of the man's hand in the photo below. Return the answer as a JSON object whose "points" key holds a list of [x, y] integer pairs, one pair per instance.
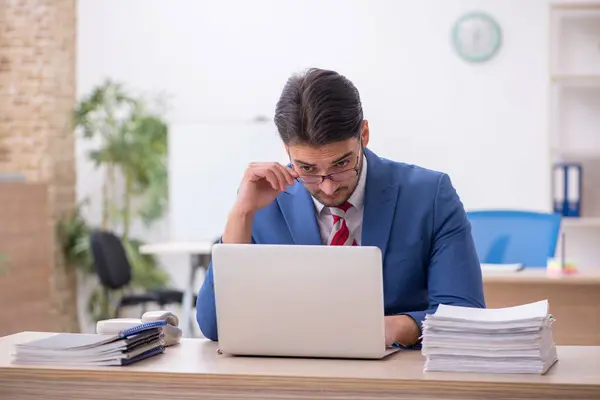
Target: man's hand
{"points": [[402, 329], [262, 182]]}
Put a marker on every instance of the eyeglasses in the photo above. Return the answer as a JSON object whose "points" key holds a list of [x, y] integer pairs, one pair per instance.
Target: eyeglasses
{"points": [[335, 177]]}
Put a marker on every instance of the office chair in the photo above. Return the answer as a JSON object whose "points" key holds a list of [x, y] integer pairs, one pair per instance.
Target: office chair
{"points": [[114, 271], [514, 237]]}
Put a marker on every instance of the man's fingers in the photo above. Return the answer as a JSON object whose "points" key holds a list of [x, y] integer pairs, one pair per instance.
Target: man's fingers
{"points": [[288, 173], [277, 175], [281, 176], [272, 178]]}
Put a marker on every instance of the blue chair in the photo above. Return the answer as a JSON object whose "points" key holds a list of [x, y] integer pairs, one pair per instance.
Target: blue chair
{"points": [[514, 237]]}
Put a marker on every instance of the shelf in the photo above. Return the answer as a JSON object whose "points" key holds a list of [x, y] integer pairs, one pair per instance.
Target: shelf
{"points": [[575, 122], [578, 13], [567, 155], [570, 6], [576, 41], [583, 222], [576, 80], [574, 116]]}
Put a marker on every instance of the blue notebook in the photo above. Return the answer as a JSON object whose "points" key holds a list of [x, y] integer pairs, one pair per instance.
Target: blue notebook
{"points": [[77, 349]]}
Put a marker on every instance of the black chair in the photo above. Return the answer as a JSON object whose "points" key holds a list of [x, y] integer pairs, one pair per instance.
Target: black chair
{"points": [[114, 271]]}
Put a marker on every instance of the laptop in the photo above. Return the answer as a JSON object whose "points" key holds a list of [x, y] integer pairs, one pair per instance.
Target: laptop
{"points": [[299, 301]]}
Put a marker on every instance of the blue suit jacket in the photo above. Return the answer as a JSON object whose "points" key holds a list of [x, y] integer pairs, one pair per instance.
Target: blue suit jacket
{"points": [[412, 214]]}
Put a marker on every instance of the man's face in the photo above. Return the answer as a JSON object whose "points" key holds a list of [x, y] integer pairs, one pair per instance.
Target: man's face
{"points": [[333, 158]]}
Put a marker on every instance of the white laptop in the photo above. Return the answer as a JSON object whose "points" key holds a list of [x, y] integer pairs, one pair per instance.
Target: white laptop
{"points": [[299, 301]]}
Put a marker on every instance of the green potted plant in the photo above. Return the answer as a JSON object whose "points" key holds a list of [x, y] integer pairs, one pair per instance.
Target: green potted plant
{"points": [[130, 135]]}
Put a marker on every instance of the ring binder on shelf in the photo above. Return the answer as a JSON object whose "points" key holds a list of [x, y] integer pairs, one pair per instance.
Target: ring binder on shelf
{"points": [[567, 184]]}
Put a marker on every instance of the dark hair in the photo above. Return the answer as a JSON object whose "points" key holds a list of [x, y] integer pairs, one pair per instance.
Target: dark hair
{"points": [[318, 107]]}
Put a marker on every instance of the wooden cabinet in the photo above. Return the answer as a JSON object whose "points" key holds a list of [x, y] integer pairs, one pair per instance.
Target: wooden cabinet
{"points": [[26, 249]]}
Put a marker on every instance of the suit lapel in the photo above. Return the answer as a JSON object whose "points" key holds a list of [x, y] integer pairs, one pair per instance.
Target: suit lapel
{"points": [[381, 194], [298, 211]]}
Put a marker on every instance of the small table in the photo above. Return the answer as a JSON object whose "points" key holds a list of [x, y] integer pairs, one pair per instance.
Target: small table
{"points": [[200, 255]]}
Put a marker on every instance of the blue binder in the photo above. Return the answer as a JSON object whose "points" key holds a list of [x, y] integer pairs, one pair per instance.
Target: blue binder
{"points": [[76, 349], [141, 328], [567, 184]]}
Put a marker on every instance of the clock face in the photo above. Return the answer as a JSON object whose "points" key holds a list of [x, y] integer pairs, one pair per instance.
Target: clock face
{"points": [[476, 37]]}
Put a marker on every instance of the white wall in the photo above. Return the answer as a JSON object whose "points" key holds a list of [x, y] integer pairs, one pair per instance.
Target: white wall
{"points": [[226, 61]]}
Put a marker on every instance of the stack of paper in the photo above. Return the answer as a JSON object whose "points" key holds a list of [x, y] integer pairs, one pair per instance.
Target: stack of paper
{"points": [[502, 267], [505, 340], [75, 349]]}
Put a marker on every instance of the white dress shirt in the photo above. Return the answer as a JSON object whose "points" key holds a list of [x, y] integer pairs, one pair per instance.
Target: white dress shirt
{"points": [[354, 215]]}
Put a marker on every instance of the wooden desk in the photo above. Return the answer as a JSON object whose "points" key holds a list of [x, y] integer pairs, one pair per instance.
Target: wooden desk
{"points": [[574, 300], [194, 370]]}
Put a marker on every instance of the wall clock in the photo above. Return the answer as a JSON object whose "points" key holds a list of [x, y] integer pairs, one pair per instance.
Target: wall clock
{"points": [[476, 37]]}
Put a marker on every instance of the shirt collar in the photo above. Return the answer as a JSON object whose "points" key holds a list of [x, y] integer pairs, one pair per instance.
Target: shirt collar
{"points": [[358, 197]]}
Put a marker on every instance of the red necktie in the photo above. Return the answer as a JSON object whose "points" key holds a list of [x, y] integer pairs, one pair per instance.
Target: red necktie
{"points": [[340, 234]]}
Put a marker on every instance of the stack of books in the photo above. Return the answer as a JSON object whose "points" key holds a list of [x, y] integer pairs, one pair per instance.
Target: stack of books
{"points": [[77, 349], [504, 340]]}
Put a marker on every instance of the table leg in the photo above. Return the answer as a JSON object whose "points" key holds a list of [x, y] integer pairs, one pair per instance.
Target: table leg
{"points": [[188, 296], [187, 325]]}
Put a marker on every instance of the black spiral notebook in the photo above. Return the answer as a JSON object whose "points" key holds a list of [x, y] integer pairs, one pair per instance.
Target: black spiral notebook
{"points": [[77, 349]]}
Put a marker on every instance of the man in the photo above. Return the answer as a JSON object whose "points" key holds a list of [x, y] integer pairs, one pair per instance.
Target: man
{"points": [[337, 192]]}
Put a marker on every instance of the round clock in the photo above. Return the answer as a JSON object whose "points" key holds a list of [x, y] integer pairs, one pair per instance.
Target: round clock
{"points": [[476, 37]]}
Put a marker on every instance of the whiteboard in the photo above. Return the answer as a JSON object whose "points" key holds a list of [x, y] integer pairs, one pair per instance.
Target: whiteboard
{"points": [[206, 164]]}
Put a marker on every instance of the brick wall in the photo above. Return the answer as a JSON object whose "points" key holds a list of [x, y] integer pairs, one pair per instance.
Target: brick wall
{"points": [[37, 95]]}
